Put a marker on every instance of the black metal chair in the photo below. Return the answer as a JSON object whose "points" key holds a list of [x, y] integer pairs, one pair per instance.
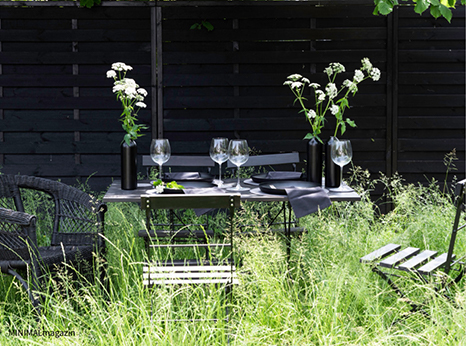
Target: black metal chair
{"points": [[169, 270], [73, 233], [274, 161], [425, 266]]}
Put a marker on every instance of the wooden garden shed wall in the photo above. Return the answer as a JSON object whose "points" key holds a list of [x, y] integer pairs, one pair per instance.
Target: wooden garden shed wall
{"points": [[58, 117]]}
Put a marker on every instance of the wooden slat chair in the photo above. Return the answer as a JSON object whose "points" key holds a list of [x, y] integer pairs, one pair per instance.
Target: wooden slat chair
{"points": [[172, 271], [274, 161], [426, 266]]}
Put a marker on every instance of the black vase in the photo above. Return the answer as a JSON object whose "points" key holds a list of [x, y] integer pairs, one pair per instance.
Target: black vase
{"points": [[314, 161], [129, 160], [332, 171]]}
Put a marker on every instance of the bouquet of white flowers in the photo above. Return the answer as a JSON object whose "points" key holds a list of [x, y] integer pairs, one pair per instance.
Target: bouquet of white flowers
{"points": [[328, 100], [131, 97]]}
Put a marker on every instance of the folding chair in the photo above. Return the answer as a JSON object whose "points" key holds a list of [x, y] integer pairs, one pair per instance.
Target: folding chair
{"points": [[275, 161], [422, 266], [173, 271]]}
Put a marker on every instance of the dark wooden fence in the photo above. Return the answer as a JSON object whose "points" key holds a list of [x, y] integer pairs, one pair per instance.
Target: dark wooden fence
{"points": [[59, 119]]}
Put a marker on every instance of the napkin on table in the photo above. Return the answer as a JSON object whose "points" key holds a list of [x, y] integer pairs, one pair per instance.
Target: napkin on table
{"points": [[305, 201]]}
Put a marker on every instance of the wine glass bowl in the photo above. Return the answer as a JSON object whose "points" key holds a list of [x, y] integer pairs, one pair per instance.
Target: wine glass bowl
{"points": [[342, 153], [219, 154], [160, 152], [238, 155]]}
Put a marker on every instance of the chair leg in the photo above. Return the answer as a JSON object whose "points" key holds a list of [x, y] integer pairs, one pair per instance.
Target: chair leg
{"points": [[414, 306], [30, 290]]}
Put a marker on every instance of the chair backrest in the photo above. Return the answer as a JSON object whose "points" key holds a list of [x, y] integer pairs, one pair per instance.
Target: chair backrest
{"points": [[76, 218], [195, 161], [270, 160], [460, 207]]}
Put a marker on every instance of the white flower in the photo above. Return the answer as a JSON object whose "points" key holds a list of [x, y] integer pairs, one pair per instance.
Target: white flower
{"points": [[350, 85], [314, 85], [130, 92], [328, 71], [311, 114], [140, 104], [295, 77], [288, 82], [118, 87], [337, 67], [142, 91], [121, 66], [358, 76], [159, 188], [111, 74], [366, 64], [296, 85], [331, 90], [320, 96], [305, 80], [334, 109], [375, 74], [130, 82]]}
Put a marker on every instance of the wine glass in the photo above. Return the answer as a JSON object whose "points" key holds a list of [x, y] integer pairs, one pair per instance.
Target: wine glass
{"points": [[239, 154], [160, 152], [342, 154], [219, 153]]}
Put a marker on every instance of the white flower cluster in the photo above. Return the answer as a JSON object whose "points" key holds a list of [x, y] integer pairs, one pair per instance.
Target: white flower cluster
{"points": [[334, 67], [373, 72], [331, 90], [126, 87], [159, 188]]}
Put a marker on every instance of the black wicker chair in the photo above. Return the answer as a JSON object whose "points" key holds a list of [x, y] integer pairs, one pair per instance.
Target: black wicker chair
{"points": [[72, 235]]}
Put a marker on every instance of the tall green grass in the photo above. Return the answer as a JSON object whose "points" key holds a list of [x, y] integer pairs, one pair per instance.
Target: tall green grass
{"points": [[323, 296]]}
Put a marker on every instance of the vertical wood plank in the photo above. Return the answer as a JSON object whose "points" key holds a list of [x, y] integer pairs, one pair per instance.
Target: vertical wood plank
{"points": [[160, 108], [154, 72]]}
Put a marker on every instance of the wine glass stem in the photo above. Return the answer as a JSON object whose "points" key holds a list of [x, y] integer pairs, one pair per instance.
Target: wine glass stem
{"points": [[238, 185], [160, 171], [341, 177], [220, 172]]}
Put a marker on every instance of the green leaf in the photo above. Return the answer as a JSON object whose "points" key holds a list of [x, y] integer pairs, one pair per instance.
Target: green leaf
{"points": [[309, 136], [434, 3], [350, 122], [451, 3], [383, 7], [195, 26], [89, 3], [207, 25], [343, 128], [446, 12], [435, 11], [421, 6]]}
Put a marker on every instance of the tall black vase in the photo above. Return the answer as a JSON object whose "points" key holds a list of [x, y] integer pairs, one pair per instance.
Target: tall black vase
{"points": [[314, 161], [129, 157], [332, 171]]}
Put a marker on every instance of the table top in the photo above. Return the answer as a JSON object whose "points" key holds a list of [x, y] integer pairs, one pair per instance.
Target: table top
{"points": [[116, 194]]}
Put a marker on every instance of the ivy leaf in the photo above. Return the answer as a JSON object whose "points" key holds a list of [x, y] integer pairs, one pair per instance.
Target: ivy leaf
{"points": [[446, 12], [383, 7], [435, 11], [421, 6]]}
